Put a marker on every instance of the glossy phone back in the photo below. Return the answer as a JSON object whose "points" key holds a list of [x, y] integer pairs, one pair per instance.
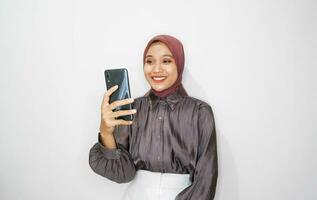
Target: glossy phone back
{"points": [[119, 77]]}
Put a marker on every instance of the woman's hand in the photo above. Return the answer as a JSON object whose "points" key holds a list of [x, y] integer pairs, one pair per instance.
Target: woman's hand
{"points": [[108, 121]]}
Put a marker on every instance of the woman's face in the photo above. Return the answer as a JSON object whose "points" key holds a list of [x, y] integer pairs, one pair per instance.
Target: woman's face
{"points": [[160, 69]]}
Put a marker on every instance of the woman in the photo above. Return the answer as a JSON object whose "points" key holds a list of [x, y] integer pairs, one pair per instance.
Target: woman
{"points": [[169, 151]]}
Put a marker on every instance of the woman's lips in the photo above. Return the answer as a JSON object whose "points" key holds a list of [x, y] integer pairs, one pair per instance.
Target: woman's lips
{"points": [[158, 79]]}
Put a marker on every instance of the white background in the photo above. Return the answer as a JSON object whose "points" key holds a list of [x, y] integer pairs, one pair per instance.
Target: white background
{"points": [[254, 62]]}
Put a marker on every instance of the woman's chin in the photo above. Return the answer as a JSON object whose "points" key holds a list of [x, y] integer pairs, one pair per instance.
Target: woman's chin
{"points": [[158, 88]]}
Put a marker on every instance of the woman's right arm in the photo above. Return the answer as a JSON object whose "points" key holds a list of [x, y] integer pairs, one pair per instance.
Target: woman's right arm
{"points": [[110, 157]]}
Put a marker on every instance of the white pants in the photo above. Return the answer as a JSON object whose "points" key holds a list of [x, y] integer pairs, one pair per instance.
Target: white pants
{"points": [[148, 185]]}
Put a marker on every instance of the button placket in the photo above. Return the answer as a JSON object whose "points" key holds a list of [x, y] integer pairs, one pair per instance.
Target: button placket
{"points": [[160, 119], [159, 136]]}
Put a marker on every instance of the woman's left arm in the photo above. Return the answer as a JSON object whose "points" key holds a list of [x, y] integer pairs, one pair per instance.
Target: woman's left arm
{"points": [[205, 175]]}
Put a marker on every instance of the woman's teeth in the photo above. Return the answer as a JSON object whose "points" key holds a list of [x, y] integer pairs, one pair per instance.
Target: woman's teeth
{"points": [[159, 78]]}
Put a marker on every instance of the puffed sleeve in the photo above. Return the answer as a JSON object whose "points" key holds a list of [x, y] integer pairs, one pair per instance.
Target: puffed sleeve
{"points": [[205, 175], [114, 164]]}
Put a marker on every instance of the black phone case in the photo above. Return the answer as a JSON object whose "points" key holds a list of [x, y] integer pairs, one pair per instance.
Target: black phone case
{"points": [[119, 77]]}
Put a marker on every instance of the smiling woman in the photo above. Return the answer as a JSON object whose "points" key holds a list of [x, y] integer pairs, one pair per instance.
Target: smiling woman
{"points": [[160, 69], [169, 151], [164, 57]]}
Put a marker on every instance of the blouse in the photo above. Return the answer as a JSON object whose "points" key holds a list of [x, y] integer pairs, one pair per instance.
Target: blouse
{"points": [[175, 134]]}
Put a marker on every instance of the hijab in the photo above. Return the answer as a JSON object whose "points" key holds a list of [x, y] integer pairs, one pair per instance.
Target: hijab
{"points": [[177, 50]]}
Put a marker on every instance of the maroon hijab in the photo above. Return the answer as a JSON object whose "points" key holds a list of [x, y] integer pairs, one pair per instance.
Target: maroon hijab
{"points": [[177, 50]]}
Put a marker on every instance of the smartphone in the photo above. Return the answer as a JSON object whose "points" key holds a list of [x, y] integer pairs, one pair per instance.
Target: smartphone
{"points": [[119, 77]]}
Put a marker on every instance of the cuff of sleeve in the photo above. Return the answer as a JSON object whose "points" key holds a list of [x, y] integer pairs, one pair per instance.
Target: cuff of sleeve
{"points": [[109, 153]]}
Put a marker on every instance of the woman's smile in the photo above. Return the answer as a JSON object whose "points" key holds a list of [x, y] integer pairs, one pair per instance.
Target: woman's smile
{"points": [[158, 79]]}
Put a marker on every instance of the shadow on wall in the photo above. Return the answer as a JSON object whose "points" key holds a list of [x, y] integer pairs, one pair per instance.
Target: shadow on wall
{"points": [[228, 183]]}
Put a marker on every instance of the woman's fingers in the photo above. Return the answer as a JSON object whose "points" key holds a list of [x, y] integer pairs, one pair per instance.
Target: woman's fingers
{"points": [[111, 122], [122, 122], [107, 113], [123, 112], [115, 104], [107, 94]]}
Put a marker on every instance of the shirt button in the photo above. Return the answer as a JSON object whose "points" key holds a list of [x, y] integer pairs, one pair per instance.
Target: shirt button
{"points": [[160, 117], [158, 157], [159, 136]]}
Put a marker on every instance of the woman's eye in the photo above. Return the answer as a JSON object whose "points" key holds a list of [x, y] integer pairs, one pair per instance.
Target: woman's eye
{"points": [[149, 61], [167, 61]]}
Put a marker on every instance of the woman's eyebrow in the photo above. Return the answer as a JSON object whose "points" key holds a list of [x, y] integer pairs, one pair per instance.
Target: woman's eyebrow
{"points": [[162, 55], [168, 55]]}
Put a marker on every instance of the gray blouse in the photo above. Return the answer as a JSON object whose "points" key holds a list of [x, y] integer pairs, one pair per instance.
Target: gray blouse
{"points": [[175, 134]]}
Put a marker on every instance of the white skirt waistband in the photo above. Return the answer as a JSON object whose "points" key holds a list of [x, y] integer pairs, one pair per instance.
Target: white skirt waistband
{"points": [[148, 185], [163, 180]]}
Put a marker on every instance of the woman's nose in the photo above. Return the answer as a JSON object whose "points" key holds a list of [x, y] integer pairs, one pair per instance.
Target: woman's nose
{"points": [[157, 67]]}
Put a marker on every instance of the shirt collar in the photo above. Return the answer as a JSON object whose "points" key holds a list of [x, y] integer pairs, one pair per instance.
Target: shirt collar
{"points": [[171, 99]]}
